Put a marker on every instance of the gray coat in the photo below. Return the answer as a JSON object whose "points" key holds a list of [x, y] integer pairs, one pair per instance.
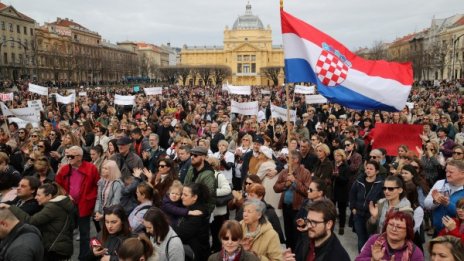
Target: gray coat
{"points": [[114, 195], [175, 250]]}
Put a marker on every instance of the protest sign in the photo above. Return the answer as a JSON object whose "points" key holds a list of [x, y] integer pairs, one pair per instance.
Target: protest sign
{"points": [[6, 96], [124, 100], [65, 99], [244, 108], [315, 99], [153, 91], [301, 89], [82, 93], [391, 136], [22, 123], [38, 89], [239, 90], [278, 112], [37, 104]]}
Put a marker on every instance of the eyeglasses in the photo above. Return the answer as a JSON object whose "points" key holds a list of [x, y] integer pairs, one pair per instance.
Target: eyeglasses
{"points": [[34, 136], [313, 223], [71, 156], [194, 156], [31, 159], [245, 139], [348, 144], [396, 227], [230, 238], [457, 153], [373, 157], [40, 146], [162, 166], [52, 134], [310, 190], [389, 188], [248, 183]]}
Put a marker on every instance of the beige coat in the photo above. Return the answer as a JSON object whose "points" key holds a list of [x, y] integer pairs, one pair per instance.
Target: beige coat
{"points": [[266, 244]]}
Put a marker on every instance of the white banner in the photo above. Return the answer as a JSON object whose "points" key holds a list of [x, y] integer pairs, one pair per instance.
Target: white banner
{"points": [[66, 99], [153, 91], [244, 108], [278, 112], [315, 99], [26, 114], [410, 105], [239, 90], [38, 89], [265, 92], [37, 104], [6, 96], [301, 89], [124, 100], [22, 123], [82, 93]]}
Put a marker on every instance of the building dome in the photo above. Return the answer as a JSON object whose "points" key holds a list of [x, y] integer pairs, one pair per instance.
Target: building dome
{"points": [[248, 21]]}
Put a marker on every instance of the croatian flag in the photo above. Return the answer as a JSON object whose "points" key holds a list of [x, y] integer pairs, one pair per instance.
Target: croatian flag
{"points": [[341, 76]]}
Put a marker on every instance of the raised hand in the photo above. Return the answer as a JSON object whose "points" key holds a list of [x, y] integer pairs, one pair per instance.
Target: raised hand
{"points": [[377, 251]]}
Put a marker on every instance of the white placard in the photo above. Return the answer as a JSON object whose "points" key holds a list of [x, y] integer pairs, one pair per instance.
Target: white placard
{"points": [[6, 96], [301, 89], [239, 90], [22, 123], [410, 105], [244, 108], [278, 112], [124, 100], [66, 99], [315, 99], [26, 114], [153, 91], [37, 104], [82, 93], [265, 92], [38, 89]]}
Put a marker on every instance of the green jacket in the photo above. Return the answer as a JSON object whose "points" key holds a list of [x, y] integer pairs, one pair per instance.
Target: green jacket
{"points": [[55, 222], [206, 177]]}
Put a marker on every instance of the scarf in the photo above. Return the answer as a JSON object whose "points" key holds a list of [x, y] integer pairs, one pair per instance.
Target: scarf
{"points": [[233, 257], [252, 234], [406, 253]]}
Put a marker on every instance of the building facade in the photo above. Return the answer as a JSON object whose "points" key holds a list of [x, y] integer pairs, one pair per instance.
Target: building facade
{"points": [[247, 51], [17, 48]]}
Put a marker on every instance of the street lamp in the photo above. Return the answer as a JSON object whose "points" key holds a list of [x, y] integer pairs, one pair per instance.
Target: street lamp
{"points": [[454, 56]]}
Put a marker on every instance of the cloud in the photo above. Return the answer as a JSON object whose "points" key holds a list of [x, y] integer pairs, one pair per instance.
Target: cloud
{"points": [[201, 22]]}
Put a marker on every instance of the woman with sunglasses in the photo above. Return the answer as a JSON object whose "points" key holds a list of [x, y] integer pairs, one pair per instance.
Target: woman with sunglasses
{"points": [[395, 198], [431, 166], [230, 235], [395, 241], [167, 173], [367, 188]]}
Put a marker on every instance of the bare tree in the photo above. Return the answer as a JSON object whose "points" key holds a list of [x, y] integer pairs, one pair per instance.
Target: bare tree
{"points": [[378, 51], [205, 72], [272, 73], [194, 74], [220, 72], [184, 72], [169, 73]]}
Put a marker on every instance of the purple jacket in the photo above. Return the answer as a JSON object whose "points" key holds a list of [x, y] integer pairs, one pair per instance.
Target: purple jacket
{"points": [[365, 254], [174, 210]]}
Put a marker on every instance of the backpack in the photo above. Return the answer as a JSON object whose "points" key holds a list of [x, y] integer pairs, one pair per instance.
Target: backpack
{"points": [[188, 252]]}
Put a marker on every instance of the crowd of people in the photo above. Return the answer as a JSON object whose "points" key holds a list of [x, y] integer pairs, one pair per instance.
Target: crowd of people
{"points": [[178, 176]]}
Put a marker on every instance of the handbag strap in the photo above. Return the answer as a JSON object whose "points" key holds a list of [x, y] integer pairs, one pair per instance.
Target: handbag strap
{"points": [[61, 232], [167, 247]]}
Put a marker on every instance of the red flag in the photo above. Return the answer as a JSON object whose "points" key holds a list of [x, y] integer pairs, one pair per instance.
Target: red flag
{"points": [[391, 136]]}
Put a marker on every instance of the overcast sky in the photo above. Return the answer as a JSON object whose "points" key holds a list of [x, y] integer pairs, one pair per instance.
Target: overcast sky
{"points": [[355, 23]]}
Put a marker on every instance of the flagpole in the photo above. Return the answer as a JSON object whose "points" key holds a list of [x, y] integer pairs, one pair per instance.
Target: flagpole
{"points": [[290, 165]]}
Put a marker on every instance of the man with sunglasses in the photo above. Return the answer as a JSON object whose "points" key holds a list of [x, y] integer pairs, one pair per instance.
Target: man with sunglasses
{"points": [[79, 179], [320, 243]]}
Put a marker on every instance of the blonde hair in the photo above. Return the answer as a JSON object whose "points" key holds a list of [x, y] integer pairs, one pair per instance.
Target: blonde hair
{"points": [[176, 184], [324, 148], [341, 153], [113, 169]]}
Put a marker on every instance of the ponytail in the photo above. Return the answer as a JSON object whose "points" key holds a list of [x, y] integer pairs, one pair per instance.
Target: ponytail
{"points": [[135, 248]]}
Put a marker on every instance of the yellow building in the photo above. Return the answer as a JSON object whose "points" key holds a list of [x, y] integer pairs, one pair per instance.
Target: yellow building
{"points": [[247, 50]]}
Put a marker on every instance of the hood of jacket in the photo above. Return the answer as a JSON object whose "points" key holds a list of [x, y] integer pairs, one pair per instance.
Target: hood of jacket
{"points": [[64, 202]]}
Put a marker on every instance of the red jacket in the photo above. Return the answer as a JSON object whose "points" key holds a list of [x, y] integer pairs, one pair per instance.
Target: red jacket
{"points": [[89, 186], [455, 232]]}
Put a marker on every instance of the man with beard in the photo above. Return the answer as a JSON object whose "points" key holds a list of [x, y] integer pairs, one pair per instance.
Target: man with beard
{"points": [[202, 172], [319, 243], [309, 158]]}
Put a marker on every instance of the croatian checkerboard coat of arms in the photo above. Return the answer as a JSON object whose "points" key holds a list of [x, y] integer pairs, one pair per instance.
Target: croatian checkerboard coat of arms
{"points": [[332, 67]]}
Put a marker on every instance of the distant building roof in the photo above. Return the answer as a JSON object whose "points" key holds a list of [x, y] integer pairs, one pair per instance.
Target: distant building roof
{"points": [[3, 6], [248, 20]]}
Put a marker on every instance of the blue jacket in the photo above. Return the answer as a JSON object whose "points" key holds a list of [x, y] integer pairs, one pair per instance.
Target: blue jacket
{"points": [[359, 199]]}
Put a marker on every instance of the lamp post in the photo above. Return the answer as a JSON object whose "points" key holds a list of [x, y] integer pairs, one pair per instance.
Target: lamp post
{"points": [[454, 56]]}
